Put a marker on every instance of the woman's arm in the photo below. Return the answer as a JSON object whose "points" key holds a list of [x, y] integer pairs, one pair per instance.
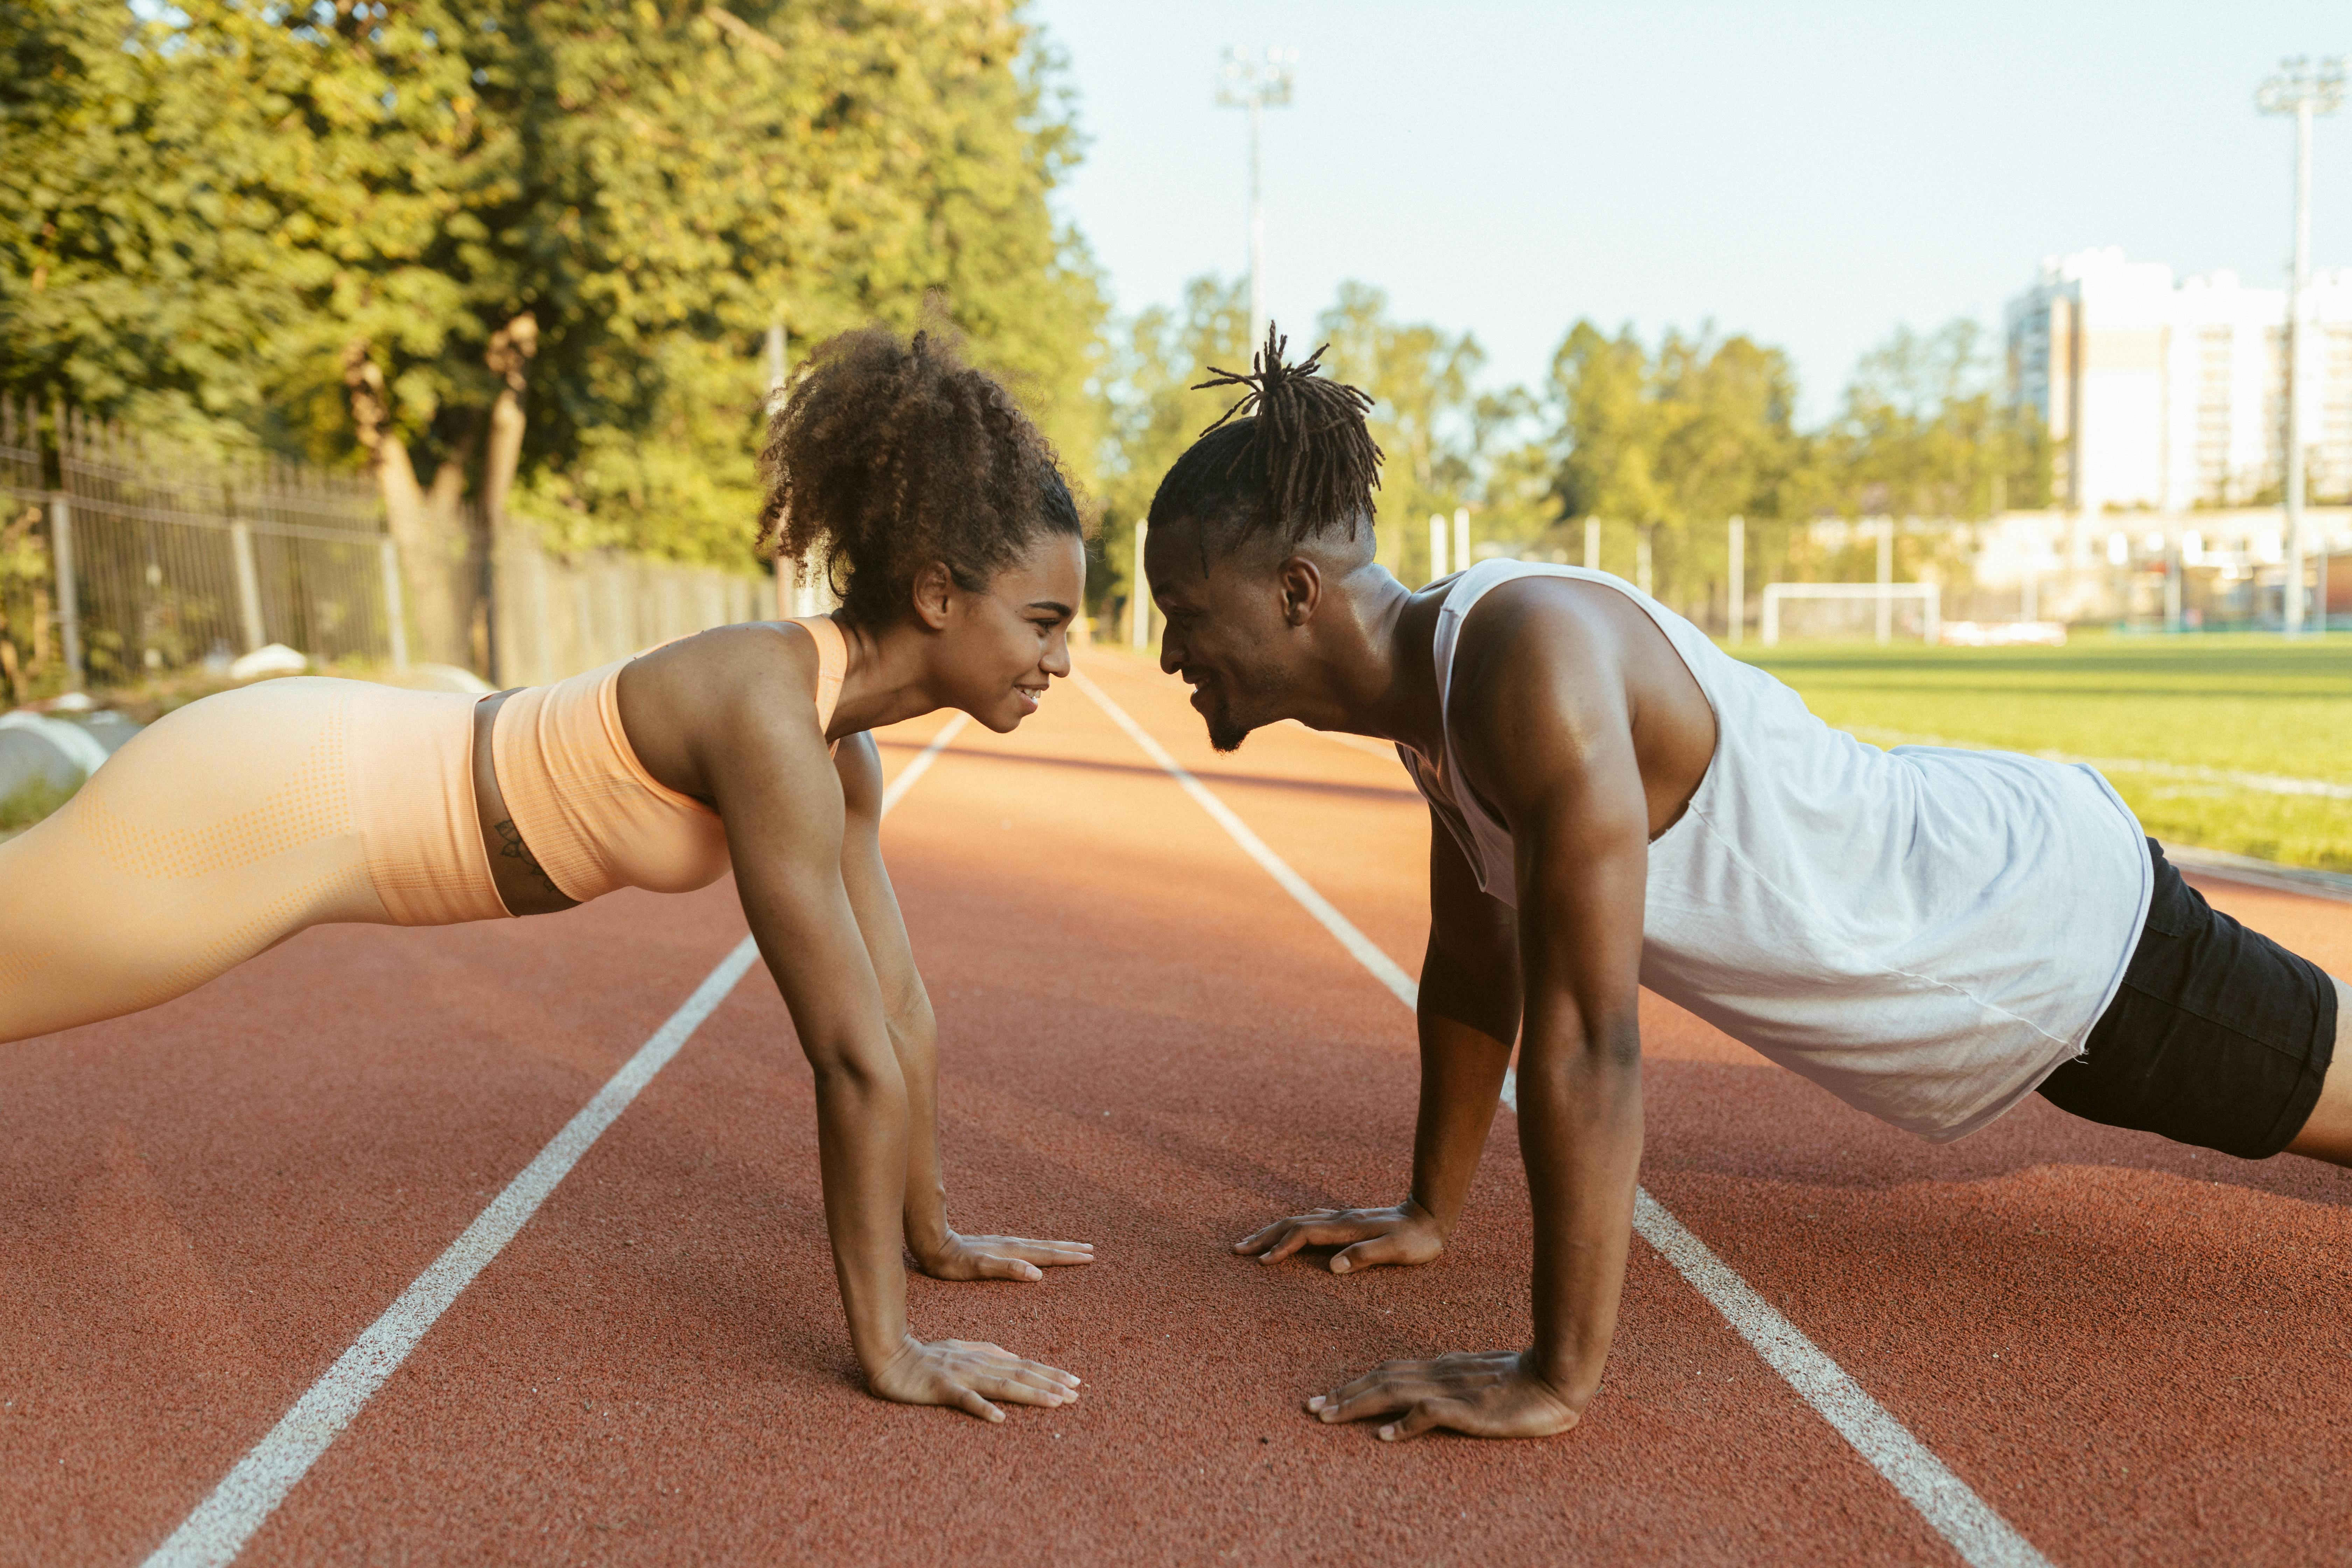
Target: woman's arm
{"points": [[938, 1250], [757, 751]]}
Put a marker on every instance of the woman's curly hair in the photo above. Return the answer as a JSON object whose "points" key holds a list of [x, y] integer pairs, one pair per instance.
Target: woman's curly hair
{"points": [[887, 455]]}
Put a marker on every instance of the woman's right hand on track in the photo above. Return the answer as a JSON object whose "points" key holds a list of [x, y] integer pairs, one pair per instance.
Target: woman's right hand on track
{"points": [[1406, 1234], [969, 1374]]}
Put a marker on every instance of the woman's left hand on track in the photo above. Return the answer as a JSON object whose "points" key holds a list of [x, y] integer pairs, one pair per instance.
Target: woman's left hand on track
{"points": [[969, 1374], [1486, 1394], [1000, 1257]]}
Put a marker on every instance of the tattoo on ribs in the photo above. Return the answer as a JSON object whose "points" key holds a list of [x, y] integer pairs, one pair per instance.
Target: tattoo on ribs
{"points": [[512, 847]]}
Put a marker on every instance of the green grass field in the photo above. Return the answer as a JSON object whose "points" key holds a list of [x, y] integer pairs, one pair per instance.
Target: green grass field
{"points": [[2191, 712]]}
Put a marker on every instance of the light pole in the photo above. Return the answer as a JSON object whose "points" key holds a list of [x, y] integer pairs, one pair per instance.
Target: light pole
{"points": [[2302, 90], [1256, 80]]}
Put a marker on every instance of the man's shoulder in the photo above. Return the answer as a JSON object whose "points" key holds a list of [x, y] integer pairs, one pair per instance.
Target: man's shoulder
{"points": [[1536, 637]]}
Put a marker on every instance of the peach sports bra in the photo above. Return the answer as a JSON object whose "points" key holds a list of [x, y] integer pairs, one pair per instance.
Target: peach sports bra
{"points": [[594, 819]]}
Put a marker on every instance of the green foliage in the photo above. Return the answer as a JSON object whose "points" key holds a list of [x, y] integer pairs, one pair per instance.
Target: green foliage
{"points": [[1924, 434], [1150, 413], [30, 665], [31, 801], [208, 215], [1424, 415], [1660, 448], [1666, 446]]}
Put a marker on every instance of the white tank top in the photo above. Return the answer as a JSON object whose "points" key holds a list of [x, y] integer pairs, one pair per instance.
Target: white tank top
{"points": [[1923, 933]]}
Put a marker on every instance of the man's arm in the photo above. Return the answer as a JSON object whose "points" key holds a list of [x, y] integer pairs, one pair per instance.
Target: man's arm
{"points": [[1467, 1016], [1547, 737], [938, 1250]]}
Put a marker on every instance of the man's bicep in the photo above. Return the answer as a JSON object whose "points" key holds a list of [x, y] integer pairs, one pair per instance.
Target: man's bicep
{"points": [[1583, 860], [1552, 749]]}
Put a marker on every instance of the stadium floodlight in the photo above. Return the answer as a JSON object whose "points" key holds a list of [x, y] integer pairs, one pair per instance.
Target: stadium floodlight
{"points": [[1257, 80], [2302, 88]]}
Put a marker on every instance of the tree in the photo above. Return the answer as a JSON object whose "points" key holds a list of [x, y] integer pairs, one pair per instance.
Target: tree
{"points": [[1424, 415], [1923, 432], [1152, 411], [521, 256], [1668, 447]]}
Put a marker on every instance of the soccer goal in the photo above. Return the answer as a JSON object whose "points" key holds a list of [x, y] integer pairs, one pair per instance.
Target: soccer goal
{"points": [[1882, 611]]}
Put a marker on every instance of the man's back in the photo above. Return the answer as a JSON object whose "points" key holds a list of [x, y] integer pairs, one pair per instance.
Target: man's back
{"points": [[1927, 933]]}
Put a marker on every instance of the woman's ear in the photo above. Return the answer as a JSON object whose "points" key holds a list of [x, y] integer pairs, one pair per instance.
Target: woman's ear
{"points": [[933, 594]]}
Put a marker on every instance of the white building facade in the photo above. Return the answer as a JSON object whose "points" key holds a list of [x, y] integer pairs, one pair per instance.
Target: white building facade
{"points": [[2169, 396]]}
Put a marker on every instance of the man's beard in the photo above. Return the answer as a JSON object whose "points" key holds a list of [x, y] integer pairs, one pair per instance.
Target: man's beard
{"points": [[1225, 733]]}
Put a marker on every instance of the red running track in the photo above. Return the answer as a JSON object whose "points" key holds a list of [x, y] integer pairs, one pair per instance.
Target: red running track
{"points": [[2132, 1351]]}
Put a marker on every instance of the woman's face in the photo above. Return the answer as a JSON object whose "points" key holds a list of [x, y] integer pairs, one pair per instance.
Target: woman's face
{"points": [[1004, 644]]}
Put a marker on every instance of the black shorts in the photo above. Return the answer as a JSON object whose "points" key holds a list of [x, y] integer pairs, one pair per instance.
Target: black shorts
{"points": [[2219, 1036]]}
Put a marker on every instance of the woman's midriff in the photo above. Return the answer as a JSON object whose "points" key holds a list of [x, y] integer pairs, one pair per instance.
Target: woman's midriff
{"points": [[523, 888]]}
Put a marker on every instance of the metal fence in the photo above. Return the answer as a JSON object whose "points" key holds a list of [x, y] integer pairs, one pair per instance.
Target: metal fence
{"points": [[121, 556], [172, 560], [32, 640]]}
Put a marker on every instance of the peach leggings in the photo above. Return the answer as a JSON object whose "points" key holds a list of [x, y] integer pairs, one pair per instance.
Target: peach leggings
{"points": [[230, 824], [226, 827]]}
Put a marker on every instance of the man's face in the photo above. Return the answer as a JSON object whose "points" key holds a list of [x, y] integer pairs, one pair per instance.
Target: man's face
{"points": [[1227, 634]]}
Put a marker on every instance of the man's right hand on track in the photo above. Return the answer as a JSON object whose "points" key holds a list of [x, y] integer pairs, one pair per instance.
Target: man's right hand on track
{"points": [[1406, 1234], [967, 1374]]}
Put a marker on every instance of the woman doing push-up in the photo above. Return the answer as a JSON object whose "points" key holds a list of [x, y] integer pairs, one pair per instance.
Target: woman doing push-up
{"points": [[1615, 803], [237, 821]]}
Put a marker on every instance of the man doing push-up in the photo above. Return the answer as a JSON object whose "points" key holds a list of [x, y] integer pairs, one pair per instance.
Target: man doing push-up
{"points": [[1930, 936]]}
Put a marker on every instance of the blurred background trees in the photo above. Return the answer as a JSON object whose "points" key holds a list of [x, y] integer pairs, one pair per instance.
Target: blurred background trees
{"points": [[520, 259], [520, 255]]}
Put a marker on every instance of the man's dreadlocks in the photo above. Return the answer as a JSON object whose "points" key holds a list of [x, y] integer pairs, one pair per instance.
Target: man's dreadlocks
{"points": [[1293, 457]]}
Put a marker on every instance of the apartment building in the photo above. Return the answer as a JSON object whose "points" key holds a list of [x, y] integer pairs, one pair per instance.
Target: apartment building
{"points": [[2169, 395]]}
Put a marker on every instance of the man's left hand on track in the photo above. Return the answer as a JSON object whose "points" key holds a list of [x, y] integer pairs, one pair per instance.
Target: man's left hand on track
{"points": [[1486, 1394], [1000, 1257]]}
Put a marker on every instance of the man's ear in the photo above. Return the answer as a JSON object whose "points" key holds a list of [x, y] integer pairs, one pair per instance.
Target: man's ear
{"points": [[1301, 583], [933, 594]]}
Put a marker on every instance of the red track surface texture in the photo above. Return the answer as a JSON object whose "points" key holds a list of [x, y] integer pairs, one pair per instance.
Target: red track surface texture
{"points": [[2132, 1351]]}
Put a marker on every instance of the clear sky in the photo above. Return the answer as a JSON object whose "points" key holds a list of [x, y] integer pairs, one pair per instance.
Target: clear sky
{"points": [[1809, 173]]}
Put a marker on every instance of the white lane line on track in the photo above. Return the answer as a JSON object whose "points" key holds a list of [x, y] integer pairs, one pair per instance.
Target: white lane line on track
{"points": [[1385, 968], [221, 1525], [1982, 1537]]}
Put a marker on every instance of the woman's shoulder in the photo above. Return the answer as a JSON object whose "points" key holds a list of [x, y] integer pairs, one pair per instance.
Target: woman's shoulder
{"points": [[751, 654], [729, 684]]}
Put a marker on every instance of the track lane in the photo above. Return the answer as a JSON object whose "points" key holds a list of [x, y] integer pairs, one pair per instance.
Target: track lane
{"points": [[1142, 1050], [1098, 951], [201, 1204], [2014, 1299], [1980, 1535]]}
